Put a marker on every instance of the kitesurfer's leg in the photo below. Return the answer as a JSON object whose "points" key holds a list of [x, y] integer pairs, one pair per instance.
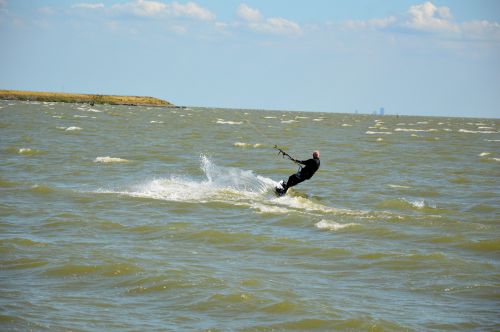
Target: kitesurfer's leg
{"points": [[293, 180]]}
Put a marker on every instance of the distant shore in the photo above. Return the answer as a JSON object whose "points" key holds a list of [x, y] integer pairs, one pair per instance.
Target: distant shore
{"points": [[82, 98]]}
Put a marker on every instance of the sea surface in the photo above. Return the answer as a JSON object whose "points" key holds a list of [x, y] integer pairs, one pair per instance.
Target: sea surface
{"points": [[118, 218]]}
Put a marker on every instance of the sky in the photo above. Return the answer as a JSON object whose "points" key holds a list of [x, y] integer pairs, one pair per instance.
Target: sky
{"points": [[411, 57]]}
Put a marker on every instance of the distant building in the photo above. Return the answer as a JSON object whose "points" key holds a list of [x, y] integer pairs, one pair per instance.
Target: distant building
{"points": [[382, 110]]}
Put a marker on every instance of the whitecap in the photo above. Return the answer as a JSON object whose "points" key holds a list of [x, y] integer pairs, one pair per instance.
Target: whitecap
{"points": [[288, 121], [378, 132], [25, 151], [108, 159], [222, 121], [247, 145], [318, 120], [153, 121], [415, 130], [477, 131], [333, 226], [346, 125], [398, 186], [484, 154], [80, 116], [419, 204], [73, 128]]}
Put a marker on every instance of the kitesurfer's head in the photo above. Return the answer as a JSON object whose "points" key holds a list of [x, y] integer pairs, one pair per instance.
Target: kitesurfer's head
{"points": [[316, 154]]}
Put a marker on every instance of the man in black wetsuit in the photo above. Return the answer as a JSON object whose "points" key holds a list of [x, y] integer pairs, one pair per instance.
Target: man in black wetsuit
{"points": [[305, 173]]}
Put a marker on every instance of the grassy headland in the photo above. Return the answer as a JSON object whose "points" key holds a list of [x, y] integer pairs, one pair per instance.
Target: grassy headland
{"points": [[82, 98]]}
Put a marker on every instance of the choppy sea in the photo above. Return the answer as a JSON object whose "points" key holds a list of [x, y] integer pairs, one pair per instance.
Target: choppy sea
{"points": [[117, 218]]}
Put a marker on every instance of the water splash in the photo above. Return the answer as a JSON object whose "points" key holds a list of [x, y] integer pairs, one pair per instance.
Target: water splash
{"points": [[234, 178], [229, 185]]}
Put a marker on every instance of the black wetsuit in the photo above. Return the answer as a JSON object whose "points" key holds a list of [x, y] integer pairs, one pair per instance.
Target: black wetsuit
{"points": [[311, 166]]}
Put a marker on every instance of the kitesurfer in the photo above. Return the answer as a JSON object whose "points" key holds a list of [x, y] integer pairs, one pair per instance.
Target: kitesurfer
{"points": [[305, 173]]}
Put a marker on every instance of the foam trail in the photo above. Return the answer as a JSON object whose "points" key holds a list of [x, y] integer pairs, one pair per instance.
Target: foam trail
{"points": [[228, 185]]}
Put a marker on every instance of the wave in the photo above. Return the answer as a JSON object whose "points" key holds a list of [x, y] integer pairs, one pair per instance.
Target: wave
{"points": [[72, 128], [27, 151], [415, 130], [222, 121], [405, 204], [477, 131], [398, 186], [247, 145], [333, 226], [108, 160], [378, 133]]}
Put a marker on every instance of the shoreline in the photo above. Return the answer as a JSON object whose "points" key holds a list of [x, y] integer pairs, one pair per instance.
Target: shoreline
{"points": [[82, 98]]}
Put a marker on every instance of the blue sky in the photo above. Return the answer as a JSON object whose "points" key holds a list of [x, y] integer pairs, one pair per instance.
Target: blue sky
{"points": [[410, 57]]}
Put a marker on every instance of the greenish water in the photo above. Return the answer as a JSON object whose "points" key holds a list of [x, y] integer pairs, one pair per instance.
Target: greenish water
{"points": [[129, 219]]}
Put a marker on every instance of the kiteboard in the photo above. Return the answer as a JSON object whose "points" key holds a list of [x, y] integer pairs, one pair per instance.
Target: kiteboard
{"points": [[280, 191]]}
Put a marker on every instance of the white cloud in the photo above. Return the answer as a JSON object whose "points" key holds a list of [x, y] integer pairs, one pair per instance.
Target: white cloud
{"points": [[376, 23], [248, 14], [273, 25], [142, 8], [190, 10], [277, 25], [481, 30], [146, 8], [427, 17], [89, 5]]}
